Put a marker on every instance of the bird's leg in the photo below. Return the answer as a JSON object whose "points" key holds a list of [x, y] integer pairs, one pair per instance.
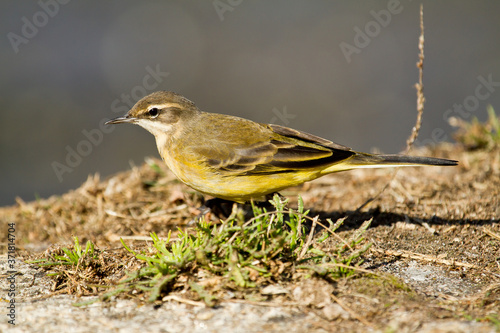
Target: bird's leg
{"points": [[221, 208]]}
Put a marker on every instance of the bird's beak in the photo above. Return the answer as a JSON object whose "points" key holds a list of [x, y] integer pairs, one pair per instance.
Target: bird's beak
{"points": [[119, 120]]}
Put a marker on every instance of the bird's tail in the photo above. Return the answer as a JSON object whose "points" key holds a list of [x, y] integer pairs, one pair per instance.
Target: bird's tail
{"points": [[363, 160]]}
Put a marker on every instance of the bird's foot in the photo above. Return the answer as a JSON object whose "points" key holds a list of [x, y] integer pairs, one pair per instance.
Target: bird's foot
{"points": [[221, 209]]}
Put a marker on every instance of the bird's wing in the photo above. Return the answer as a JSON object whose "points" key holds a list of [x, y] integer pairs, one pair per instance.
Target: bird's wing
{"points": [[253, 148], [299, 150]]}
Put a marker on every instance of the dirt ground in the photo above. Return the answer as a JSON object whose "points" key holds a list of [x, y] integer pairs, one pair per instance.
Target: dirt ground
{"points": [[435, 234]]}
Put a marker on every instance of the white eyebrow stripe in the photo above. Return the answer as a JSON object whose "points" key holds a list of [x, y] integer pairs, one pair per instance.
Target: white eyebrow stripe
{"points": [[164, 106]]}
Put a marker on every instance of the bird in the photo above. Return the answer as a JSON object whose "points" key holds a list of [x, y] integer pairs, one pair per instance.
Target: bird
{"points": [[239, 160]]}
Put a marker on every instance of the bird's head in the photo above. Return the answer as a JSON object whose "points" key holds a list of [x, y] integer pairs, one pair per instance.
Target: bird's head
{"points": [[158, 112]]}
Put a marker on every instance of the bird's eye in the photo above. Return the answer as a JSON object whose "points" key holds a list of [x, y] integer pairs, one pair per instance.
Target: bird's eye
{"points": [[153, 112]]}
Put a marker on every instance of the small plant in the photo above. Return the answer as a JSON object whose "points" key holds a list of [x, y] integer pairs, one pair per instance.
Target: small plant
{"points": [[74, 257], [79, 271], [477, 135], [243, 254]]}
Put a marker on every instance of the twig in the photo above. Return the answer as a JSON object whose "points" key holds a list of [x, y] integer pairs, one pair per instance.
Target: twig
{"points": [[491, 233], [352, 313], [334, 234], [183, 300], [423, 224], [420, 108], [370, 200], [115, 237], [244, 301], [298, 214], [354, 268], [419, 86], [424, 257], [309, 239]]}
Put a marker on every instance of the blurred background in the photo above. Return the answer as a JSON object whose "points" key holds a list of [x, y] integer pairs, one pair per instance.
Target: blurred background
{"points": [[341, 70]]}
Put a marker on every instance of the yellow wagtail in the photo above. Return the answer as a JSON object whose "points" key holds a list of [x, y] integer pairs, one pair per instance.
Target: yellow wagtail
{"points": [[237, 159]]}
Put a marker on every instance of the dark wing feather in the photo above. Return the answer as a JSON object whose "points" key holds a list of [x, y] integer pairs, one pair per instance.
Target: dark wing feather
{"points": [[269, 149], [303, 136], [237, 158]]}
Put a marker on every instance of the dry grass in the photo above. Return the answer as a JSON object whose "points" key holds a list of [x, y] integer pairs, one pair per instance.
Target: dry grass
{"points": [[444, 217]]}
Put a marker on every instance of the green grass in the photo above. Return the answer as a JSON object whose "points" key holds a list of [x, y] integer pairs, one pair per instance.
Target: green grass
{"points": [[243, 253], [74, 271], [76, 257]]}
